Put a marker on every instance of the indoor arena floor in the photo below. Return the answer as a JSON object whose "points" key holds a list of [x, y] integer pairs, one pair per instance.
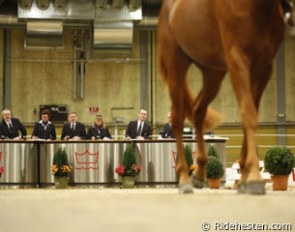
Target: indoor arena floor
{"points": [[142, 209]]}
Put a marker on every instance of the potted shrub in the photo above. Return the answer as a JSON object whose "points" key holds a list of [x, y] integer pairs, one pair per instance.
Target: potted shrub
{"points": [[189, 159], [279, 162], [214, 172], [128, 170], [61, 169], [212, 151]]}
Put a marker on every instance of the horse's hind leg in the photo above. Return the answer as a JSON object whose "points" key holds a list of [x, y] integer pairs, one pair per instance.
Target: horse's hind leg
{"points": [[174, 64], [211, 85]]}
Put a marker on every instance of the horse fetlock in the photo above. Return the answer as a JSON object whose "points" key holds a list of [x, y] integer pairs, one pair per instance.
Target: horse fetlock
{"points": [[202, 162], [180, 169], [254, 176]]}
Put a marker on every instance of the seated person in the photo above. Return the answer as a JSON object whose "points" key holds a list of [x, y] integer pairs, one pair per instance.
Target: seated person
{"points": [[139, 129], [73, 129], [44, 129], [98, 130], [286, 6], [287, 9], [168, 128], [10, 127]]}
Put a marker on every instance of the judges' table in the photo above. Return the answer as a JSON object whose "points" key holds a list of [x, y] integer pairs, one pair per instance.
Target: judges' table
{"points": [[94, 162], [19, 160]]}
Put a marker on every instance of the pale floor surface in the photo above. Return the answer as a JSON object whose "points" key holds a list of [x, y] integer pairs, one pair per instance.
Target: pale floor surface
{"points": [[138, 210]]}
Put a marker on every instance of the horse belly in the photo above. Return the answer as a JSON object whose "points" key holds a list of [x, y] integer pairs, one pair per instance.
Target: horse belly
{"points": [[195, 30]]}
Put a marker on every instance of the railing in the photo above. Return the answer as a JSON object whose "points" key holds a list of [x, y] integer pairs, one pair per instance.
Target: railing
{"points": [[263, 141]]}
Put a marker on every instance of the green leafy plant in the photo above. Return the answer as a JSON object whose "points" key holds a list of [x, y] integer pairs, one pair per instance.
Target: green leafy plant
{"points": [[189, 159], [214, 168], [212, 152], [128, 167], [188, 154], [279, 160], [61, 166]]}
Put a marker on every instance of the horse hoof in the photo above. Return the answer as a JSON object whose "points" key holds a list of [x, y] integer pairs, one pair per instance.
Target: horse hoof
{"points": [[242, 188], [197, 183], [252, 187], [186, 188]]}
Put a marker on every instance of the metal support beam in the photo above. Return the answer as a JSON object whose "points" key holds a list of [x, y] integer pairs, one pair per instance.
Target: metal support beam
{"points": [[144, 83], [6, 100], [281, 95]]}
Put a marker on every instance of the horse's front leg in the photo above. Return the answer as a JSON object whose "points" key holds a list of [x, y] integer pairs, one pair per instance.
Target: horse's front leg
{"points": [[185, 185], [248, 95]]}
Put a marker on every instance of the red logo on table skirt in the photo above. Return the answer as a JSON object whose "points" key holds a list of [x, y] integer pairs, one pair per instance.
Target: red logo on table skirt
{"points": [[86, 160], [174, 155]]}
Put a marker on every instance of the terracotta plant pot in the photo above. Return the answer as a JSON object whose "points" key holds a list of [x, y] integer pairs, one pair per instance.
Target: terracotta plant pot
{"points": [[61, 182], [214, 183], [128, 181], [280, 182]]}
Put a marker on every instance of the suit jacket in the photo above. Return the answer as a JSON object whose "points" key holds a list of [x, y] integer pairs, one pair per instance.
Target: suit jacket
{"points": [[132, 130], [17, 127], [78, 131], [168, 131], [44, 131], [98, 132]]}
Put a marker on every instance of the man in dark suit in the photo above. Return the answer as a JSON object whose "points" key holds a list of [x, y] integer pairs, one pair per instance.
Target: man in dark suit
{"points": [[139, 129], [287, 10], [168, 128], [44, 129], [73, 129], [10, 127]]}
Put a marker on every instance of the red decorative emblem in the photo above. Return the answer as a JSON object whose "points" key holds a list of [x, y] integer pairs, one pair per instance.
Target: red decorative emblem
{"points": [[86, 160], [174, 155]]}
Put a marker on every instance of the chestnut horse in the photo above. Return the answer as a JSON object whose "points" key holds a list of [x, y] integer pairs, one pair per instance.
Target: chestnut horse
{"points": [[236, 36]]}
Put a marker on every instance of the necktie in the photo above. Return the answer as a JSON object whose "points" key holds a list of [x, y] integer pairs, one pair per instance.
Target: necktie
{"points": [[168, 130], [10, 126], [138, 133], [73, 126]]}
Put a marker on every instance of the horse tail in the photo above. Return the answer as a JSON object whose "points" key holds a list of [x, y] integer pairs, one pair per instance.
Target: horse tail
{"points": [[212, 119]]}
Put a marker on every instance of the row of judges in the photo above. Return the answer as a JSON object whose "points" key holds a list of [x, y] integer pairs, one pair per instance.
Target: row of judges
{"points": [[44, 129]]}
